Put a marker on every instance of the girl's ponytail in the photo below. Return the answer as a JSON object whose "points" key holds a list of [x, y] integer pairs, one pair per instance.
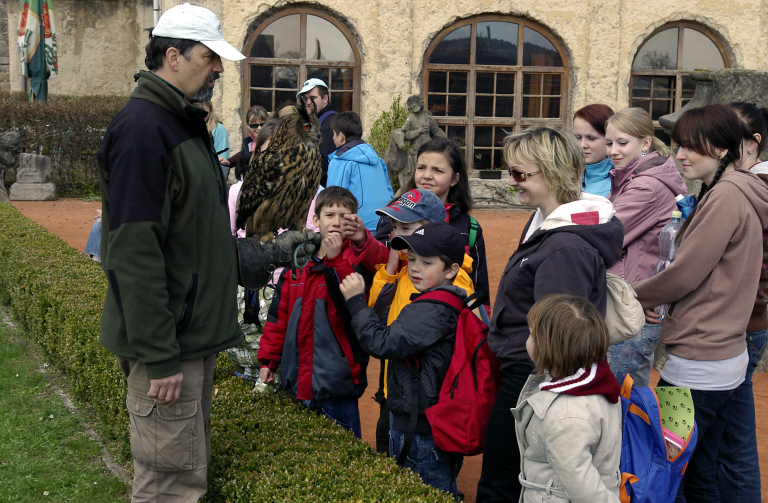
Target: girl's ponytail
{"points": [[658, 146]]}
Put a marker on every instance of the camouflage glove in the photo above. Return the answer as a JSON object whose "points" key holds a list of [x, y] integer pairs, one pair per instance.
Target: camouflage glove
{"points": [[257, 261]]}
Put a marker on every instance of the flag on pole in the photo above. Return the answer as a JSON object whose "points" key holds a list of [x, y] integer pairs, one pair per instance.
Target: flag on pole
{"points": [[36, 46]]}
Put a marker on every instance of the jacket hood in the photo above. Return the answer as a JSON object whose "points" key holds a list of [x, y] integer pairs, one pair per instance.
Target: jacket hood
{"points": [[592, 218], [357, 151], [661, 168], [760, 169], [753, 189]]}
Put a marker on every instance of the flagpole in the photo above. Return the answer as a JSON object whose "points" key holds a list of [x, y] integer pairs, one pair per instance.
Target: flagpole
{"points": [[23, 78]]}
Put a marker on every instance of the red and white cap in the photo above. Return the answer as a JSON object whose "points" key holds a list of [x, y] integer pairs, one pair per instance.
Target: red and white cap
{"points": [[191, 22]]}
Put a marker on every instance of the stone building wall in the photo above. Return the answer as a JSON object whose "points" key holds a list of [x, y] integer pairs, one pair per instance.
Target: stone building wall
{"points": [[101, 42], [5, 53]]}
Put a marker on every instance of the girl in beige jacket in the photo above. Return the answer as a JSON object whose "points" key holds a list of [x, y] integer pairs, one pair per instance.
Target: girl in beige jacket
{"points": [[569, 425]]}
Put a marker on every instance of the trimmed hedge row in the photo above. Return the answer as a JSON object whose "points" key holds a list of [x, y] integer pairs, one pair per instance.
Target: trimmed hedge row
{"points": [[68, 129], [265, 446]]}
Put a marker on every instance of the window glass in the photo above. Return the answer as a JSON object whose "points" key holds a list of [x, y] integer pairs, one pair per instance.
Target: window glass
{"points": [[699, 51], [454, 48], [538, 51], [261, 76], [326, 42], [479, 93], [659, 53], [280, 39], [496, 43]]}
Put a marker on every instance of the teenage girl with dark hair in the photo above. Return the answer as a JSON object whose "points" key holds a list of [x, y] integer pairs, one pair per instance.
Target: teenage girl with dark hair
{"points": [[589, 130], [738, 474], [711, 283], [440, 169]]}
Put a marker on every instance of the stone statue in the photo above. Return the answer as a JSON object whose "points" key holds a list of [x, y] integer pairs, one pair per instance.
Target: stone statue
{"points": [[418, 129]]}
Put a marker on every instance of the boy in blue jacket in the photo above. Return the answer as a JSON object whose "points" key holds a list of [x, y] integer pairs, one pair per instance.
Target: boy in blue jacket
{"points": [[356, 167]]}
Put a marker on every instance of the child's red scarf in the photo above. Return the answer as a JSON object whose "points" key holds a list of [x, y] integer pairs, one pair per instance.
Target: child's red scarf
{"points": [[595, 380]]}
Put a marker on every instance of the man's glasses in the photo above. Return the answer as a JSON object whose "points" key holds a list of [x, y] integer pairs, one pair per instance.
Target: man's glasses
{"points": [[255, 125], [519, 176], [307, 98]]}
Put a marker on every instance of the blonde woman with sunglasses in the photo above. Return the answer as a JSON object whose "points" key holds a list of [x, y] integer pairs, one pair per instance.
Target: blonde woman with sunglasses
{"points": [[566, 247]]}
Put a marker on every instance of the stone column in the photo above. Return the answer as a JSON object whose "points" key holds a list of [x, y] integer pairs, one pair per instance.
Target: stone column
{"points": [[33, 179]]}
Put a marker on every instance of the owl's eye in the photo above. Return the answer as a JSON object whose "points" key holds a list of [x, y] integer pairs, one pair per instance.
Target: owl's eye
{"points": [[307, 126]]}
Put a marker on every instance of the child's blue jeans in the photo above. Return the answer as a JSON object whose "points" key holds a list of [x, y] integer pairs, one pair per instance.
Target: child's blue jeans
{"points": [[343, 411], [436, 467]]}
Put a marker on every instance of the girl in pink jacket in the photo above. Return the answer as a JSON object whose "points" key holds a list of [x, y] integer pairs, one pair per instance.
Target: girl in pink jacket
{"points": [[645, 183]]}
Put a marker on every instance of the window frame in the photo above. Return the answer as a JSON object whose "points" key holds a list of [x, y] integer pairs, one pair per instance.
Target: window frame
{"points": [[302, 63], [516, 123], [679, 74]]}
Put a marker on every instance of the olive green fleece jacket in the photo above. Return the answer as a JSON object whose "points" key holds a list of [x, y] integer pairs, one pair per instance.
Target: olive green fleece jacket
{"points": [[166, 248]]}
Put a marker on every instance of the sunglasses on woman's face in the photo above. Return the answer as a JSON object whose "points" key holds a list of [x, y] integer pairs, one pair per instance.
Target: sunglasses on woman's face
{"points": [[519, 176], [255, 125]]}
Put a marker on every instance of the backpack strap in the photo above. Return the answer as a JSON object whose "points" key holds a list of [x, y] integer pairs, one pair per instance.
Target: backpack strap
{"points": [[416, 391], [442, 297], [324, 115], [473, 228]]}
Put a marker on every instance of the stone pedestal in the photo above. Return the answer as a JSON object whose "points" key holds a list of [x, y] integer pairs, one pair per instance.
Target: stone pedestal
{"points": [[494, 194], [33, 179], [9, 148], [3, 193]]}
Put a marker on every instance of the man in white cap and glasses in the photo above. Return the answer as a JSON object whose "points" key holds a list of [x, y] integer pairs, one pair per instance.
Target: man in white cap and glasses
{"points": [[168, 255], [315, 95]]}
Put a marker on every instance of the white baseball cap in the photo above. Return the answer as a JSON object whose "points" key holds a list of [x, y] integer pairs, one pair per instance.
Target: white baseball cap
{"points": [[309, 85], [191, 22]]}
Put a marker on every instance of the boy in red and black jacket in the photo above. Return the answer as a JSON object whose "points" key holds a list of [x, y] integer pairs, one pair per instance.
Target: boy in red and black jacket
{"points": [[308, 331]]}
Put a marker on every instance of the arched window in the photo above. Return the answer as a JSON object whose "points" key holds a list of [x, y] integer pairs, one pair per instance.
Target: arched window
{"points": [[489, 76], [293, 46], [660, 81]]}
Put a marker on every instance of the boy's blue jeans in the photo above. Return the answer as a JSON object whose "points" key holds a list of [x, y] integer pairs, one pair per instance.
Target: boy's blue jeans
{"points": [[738, 466], [343, 411], [635, 356], [436, 467]]}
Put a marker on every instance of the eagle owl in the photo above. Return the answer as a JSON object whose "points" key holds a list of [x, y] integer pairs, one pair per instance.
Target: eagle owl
{"points": [[282, 181]]}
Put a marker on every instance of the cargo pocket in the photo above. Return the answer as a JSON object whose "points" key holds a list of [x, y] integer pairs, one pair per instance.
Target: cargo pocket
{"points": [[163, 439]]}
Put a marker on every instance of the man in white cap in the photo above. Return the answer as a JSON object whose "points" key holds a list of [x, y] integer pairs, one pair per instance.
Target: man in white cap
{"points": [[315, 95], [169, 256]]}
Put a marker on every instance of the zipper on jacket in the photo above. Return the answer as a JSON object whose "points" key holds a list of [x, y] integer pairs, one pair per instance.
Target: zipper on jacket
{"points": [[189, 305]]}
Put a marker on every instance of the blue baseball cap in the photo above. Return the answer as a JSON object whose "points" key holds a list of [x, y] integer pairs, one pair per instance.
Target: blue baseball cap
{"points": [[415, 205]]}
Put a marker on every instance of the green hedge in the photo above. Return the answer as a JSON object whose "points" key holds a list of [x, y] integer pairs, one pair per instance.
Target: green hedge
{"points": [[68, 129], [265, 446]]}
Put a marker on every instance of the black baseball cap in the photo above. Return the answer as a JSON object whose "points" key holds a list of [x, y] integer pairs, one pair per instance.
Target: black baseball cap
{"points": [[432, 239]]}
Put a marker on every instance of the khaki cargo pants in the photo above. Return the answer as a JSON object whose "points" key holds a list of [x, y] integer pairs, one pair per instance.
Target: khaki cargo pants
{"points": [[171, 447]]}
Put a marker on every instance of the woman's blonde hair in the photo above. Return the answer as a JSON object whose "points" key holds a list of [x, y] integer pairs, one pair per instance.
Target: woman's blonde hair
{"points": [[636, 122], [556, 154], [212, 119], [568, 334]]}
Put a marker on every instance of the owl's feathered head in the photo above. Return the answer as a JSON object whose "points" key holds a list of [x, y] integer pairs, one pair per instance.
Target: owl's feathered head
{"points": [[299, 122]]}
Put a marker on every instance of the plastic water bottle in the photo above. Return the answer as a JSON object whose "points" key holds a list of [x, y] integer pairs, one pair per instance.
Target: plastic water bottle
{"points": [[686, 204], [667, 249]]}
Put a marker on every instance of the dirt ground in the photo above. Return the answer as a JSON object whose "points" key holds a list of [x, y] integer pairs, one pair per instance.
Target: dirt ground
{"points": [[71, 220]]}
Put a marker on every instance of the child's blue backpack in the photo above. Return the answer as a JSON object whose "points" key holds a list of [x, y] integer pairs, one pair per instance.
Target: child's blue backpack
{"points": [[648, 473]]}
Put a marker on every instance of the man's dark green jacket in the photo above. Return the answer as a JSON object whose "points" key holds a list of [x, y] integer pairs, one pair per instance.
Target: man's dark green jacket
{"points": [[166, 247]]}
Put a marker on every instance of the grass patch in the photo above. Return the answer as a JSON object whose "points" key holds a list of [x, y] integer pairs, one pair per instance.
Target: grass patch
{"points": [[44, 453]]}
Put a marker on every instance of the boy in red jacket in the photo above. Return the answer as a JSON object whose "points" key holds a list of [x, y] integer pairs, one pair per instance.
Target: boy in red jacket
{"points": [[308, 331]]}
